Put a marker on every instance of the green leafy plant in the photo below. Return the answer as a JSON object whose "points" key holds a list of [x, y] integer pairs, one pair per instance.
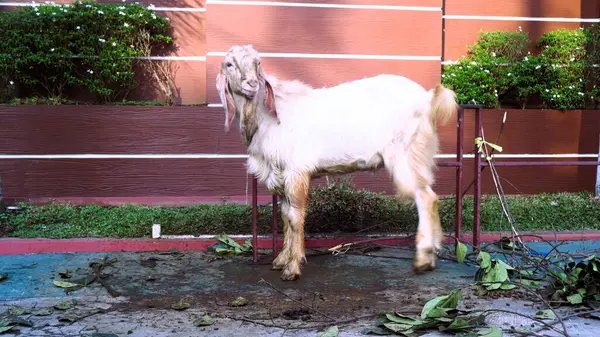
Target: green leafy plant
{"points": [[493, 273], [592, 68], [51, 49], [563, 51], [577, 283], [484, 76], [440, 313]]}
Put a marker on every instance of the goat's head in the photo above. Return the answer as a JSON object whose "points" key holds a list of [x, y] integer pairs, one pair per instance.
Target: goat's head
{"points": [[241, 83]]}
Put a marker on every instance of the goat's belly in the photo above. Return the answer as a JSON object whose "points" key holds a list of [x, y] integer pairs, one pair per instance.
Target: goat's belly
{"points": [[344, 167]]}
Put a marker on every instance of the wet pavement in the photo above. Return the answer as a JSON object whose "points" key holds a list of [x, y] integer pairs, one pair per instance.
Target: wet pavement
{"points": [[144, 287]]}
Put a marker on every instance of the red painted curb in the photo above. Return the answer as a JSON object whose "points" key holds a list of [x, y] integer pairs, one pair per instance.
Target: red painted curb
{"points": [[9, 246]]}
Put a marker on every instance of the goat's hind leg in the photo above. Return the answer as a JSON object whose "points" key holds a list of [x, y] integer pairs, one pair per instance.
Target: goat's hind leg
{"points": [[429, 236]]}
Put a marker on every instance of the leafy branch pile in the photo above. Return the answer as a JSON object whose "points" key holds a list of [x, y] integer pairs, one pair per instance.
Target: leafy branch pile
{"points": [[440, 312], [500, 71], [54, 51]]}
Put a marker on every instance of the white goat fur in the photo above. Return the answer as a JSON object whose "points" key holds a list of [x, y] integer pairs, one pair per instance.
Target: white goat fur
{"points": [[383, 121]]}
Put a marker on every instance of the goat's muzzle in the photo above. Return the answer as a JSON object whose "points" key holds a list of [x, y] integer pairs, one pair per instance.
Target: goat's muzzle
{"points": [[250, 88]]}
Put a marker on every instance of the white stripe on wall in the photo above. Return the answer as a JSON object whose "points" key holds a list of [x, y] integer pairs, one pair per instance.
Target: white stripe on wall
{"points": [[340, 56], [163, 9], [322, 5], [178, 9], [244, 156], [517, 18]]}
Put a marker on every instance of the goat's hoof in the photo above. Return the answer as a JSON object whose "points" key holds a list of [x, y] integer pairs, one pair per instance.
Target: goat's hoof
{"points": [[424, 262], [289, 274], [420, 269]]}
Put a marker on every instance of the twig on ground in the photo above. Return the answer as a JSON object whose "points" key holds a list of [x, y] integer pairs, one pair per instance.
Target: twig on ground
{"points": [[300, 327], [293, 299], [97, 267]]}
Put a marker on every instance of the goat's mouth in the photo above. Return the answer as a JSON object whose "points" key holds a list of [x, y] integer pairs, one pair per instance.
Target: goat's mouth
{"points": [[249, 93]]}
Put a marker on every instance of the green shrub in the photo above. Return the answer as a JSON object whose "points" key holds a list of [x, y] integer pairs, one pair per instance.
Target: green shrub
{"points": [[484, 76], [563, 51], [473, 83], [592, 68], [526, 79], [48, 49], [504, 46]]}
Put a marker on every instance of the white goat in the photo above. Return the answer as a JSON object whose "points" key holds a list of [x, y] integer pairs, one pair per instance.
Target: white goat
{"points": [[294, 133]]}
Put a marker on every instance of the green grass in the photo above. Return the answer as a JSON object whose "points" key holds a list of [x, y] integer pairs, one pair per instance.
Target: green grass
{"points": [[333, 208]]}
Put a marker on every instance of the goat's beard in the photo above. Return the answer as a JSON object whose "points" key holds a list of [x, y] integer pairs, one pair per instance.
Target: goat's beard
{"points": [[249, 123]]}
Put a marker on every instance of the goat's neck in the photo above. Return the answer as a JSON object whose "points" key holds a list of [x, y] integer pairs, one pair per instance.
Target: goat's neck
{"points": [[252, 118]]}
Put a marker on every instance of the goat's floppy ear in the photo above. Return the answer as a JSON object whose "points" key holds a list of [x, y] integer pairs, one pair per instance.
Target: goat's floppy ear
{"points": [[226, 99], [270, 99]]}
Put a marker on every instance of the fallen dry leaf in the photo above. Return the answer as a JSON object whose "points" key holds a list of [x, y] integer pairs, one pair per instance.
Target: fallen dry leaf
{"points": [[239, 302], [66, 305], [204, 321]]}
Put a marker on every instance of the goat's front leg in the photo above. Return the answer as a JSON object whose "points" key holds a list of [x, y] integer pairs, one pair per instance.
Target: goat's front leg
{"points": [[284, 255], [296, 191], [429, 235]]}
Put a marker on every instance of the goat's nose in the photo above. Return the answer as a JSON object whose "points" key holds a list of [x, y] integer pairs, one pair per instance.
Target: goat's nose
{"points": [[253, 83]]}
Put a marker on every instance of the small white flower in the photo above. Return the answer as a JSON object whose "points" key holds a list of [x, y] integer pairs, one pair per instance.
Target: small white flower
{"points": [[88, 6], [131, 45], [525, 59], [120, 12], [11, 82], [90, 71], [53, 13], [114, 44], [52, 49], [547, 90], [38, 14], [520, 29], [78, 27], [153, 16], [121, 7], [100, 12], [572, 59], [509, 74], [102, 40], [443, 75], [580, 93], [538, 67], [167, 19], [453, 75], [487, 71], [126, 24], [570, 87], [460, 68], [493, 54], [554, 203]]}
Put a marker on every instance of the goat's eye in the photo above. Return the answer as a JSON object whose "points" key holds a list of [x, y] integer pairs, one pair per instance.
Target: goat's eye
{"points": [[229, 64]]}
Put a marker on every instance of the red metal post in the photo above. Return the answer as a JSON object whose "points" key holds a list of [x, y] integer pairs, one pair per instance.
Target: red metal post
{"points": [[254, 222], [459, 172], [274, 225], [477, 186]]}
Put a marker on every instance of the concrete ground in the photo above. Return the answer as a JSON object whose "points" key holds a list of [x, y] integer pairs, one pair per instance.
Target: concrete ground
{"points": [[145, 286]]}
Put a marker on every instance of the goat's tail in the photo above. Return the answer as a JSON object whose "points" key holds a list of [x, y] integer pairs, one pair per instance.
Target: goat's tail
{"points": [[443, 105]]}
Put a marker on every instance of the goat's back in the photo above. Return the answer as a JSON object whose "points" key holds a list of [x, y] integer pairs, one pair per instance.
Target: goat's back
{"points": [[355, 119]]}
